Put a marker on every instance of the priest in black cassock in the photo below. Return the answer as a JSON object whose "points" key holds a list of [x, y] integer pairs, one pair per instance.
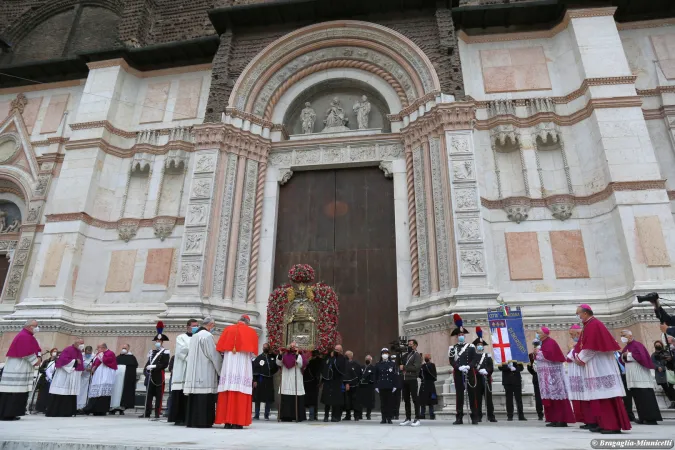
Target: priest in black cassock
{"points": [[311, 378], [333, 372], [351, 381], [462, 358], [126, 358], [264, 368], [367, 387]]}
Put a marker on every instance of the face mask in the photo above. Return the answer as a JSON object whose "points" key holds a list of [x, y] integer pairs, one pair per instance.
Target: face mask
{"points": [[579, 318], [367, 362], [410, 349], [124, 351], [266, 350], [88, 355], [54, 354], [659, 348], [479, 348], [194, 330], [426, 360], [81, 347], [575, 339], [158, 344], [461, 339], [624, 339], [385, 356], [36, 329]]}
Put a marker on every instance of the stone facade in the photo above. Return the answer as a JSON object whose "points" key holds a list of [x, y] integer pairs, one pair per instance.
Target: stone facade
{"points": [[534, 167]]}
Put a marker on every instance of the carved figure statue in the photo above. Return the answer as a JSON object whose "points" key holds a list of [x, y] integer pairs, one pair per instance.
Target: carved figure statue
{"points": [[3, 221], [335, 116], [307, 116], [362, 109], [14, 227]]}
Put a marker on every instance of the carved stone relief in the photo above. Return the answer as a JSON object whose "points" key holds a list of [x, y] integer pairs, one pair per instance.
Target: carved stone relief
{"points": [[469, 229], [459, 144], [442, 247], [472, 262], [127, 229], [194, 243], [466, 199], [201, 188], [285, 174], [163, 226], [41, 185], [388, 168], [420, 207], [224, 227], [245, 231], [463, 170], [197, 214], [205, 163], [189, 273], [336, 155], [33, 213], [19, 261]]}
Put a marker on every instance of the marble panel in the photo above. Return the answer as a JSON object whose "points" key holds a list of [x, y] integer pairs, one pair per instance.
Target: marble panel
{"points": [[158, 266], [651, 241], [121, 271], [30, 112], [155, 102], [50, 273], [532, 77], [499, 79], [435, 343], [5, 341], [187, 100], [516, 69], [522, 250], [569, 255], [54, 115], [495, 58], [664, 47]]}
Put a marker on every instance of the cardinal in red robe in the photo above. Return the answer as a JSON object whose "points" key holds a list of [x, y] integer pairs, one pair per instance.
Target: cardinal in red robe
{"points": [[601, 386], [549, 360], [239, 342]]}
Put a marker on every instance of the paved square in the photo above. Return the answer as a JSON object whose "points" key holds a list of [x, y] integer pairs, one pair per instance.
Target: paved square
{"points": [[115, 432]]}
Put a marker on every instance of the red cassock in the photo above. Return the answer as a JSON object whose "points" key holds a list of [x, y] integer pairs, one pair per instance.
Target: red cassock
{"points": [[234, 407]]}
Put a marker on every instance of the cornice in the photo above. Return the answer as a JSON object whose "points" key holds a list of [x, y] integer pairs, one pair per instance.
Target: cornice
{"points": [[120, 152], [414, 106], [230, 139], [376, 138], [120, 62], [42, 87], [655, 92], [105, 125], [590, 12], [442, 117], [645, 24], [105, 224], [576, 200]]}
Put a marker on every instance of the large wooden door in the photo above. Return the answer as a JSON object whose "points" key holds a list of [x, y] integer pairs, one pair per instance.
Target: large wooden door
{"points": [[341, 222]]}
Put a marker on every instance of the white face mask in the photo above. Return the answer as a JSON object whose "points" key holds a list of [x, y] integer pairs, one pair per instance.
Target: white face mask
{"points": [[54, 354], [579, 318], [36, 329], [123, 351], [81, 347], [158, 344], [385, 356], [624, 339]]}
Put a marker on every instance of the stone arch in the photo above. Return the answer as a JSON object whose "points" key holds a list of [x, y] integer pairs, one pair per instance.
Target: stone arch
{"points": [[17, 182], [62, 14], [374, 48]]}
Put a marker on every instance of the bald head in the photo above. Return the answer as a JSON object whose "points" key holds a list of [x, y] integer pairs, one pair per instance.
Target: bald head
{"points": [[77, 342], [349, 354], [338, 348]]}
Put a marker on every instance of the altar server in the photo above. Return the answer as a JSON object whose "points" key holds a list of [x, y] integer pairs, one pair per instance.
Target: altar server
{"points": [[104, 370]]}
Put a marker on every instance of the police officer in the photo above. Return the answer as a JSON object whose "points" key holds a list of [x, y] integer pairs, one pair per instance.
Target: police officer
{"points": [[386, 381], [367, 387]]}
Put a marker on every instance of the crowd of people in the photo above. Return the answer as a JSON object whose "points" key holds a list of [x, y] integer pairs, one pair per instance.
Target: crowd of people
{"points": [[595, 381]]}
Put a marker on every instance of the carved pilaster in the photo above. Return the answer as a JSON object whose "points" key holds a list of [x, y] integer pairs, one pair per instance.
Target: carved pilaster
{"points": [[245, 231], [421, 219], [442, 246], [224, 227]]}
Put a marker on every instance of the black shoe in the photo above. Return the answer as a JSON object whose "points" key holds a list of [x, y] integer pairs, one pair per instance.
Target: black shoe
{"points": [[610, 431], [541, 417], [383, 421], [179, 424], [121, 413], [491, 419], [522, 418], [256, 417], [596, 430], [237, 427], [509, 419], [474, 422], [562, 425], [432, 417], [325, 418], [587, 426], [347, 418], [335, 419], [367, 416], [422, 417], [458, 422], [389, 421], [552, 424], [650, 422], [672, 405], [228, 426]]}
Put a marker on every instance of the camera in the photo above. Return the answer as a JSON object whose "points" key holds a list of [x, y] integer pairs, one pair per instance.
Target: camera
{"points": [[399, 346], [652, 297]]}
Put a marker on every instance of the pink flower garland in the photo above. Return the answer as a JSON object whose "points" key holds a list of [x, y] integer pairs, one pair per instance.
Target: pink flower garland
{"points": [[301, 273]]}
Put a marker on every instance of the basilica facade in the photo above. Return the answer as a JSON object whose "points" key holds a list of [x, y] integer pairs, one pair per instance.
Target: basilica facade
{"points": [[167, 160]]}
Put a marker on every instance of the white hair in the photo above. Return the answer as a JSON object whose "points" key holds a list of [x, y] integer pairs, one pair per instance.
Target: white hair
{"points": [[208, 320], [29, 322], [628, 332]]}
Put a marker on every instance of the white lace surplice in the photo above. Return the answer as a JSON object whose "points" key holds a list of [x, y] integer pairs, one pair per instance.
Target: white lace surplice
{"points": [[237, 373], [102, 382], [552, 383], [638, 376], [601, 376], [575, 378], [66, 380]]}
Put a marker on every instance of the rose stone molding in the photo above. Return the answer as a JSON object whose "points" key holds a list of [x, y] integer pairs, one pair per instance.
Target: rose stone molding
{"points": [[421, 220], [369, 37]]}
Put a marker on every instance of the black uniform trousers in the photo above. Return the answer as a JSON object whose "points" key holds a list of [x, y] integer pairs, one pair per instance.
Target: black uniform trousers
{"points": [[628, 399], [156, 392], [410, 389], [353, 403], [517, 392], [386, 404], [484, 389], [459, 393], [537, 396]]}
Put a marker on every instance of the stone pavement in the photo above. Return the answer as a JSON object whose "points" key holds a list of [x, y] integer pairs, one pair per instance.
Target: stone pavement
{"points": [[130, 432]]}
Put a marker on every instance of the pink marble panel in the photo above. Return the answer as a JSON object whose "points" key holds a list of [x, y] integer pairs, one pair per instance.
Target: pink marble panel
{"points": [[664, 47], [522, 250], [652, 242], [187, 100], [569, 255], [155, 102], [532, 78], [30, 112], [4, 109], [5, 341], [139, 345], [436, 344], [499, 79], [495, 58], [527, 56], [158, 266], [54, 115], [50, 273], [121, 271]]}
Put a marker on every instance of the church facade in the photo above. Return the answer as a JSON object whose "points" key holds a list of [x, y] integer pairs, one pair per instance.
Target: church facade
{"points": [[169, 160]]}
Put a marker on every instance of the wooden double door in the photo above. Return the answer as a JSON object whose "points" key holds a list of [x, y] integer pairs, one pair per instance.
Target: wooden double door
{"points": [[341, 222]]}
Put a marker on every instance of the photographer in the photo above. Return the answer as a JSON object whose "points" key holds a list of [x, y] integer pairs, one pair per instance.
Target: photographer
{"points": [[666, 319], [664, 366]]}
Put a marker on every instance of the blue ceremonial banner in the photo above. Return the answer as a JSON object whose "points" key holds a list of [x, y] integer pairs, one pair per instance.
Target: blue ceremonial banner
{"points": [[508, 335]]}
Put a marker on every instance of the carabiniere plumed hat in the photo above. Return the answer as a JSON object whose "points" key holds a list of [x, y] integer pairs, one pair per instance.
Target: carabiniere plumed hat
{"points": [[159, 335], [458, 322], [479, 339]]}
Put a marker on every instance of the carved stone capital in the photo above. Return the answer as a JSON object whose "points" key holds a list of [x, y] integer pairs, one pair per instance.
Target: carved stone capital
{"points": [[561, 208], [388, 168], [285, 174], [517, 209], [231, 139], [442, 117], [127, 228], [163, 226]]}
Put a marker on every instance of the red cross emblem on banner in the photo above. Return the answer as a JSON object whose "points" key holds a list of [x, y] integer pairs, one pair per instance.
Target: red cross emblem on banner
{"points": [[500, 343]]}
